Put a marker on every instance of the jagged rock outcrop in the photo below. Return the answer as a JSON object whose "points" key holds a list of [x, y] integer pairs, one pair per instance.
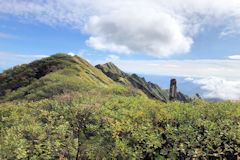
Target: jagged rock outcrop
{"points": [[150, 89]]}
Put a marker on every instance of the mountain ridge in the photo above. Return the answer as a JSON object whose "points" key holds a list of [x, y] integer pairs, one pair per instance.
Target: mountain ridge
{"points": [[56, 74], [150, 89], [78, 112], [61, 73]]}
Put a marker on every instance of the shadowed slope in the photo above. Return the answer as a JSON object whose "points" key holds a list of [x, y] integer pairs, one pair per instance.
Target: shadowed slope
{"points": [[150, 89]]}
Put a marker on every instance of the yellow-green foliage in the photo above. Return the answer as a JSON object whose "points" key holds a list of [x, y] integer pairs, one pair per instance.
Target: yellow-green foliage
{"points": [[55, 75], [21, 76], [74, 111], [90, 73], [124, 81], [144, 129], [51, 129], [60, 82], [117, 123]]}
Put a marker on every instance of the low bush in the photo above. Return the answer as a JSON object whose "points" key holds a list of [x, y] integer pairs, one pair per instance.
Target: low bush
{"points": [[143, 129], [57, 83], [96, 125]]}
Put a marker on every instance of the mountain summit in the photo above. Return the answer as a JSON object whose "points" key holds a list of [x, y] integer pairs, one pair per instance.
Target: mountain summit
{"points": [[54, 75]]}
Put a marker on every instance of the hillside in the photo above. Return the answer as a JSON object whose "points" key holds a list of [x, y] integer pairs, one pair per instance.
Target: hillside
{"points": [[50, 76], [62, 107], [150, 89], [62, 73]]}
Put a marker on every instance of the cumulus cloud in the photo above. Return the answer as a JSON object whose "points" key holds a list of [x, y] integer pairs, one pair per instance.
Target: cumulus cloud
{"points": [[157, 34], [220, 88], [101, 44], [158, 28], [234, 57]]}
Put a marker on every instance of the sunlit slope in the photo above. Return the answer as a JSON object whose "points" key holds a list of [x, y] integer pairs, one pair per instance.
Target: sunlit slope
{"points": [[50, 76]]}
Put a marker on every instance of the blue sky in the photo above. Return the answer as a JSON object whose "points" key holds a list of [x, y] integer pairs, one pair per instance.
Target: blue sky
{"points": [[36, 38], [197, 39]]}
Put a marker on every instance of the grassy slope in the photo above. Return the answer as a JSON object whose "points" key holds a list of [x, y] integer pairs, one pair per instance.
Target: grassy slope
{"points": [[88, 116], [51, 76], [20, 76], [89, 73]]}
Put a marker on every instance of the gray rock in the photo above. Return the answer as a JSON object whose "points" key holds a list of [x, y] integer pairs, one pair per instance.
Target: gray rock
{"points": [[150, 89]]}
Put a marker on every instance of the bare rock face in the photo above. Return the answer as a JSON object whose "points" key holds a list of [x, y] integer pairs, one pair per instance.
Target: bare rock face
{"points": [[150, 89], [173, 90]]}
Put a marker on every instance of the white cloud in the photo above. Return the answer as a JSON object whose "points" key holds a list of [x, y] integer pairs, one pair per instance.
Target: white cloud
{"points": [[158, 28], [218, 78], [227, 69], [5, 35], [8, 60], [101, 44], [112, 58], [71, 54], [234, 57], [84, 53], [157, 34], [221, 88], [188, 79], [26, 56]]}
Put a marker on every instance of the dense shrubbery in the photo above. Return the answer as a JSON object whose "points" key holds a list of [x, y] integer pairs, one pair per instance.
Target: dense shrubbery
{"points": [[57, 83], [20, 76], [105, 124], [143, 129], [76, 112]]}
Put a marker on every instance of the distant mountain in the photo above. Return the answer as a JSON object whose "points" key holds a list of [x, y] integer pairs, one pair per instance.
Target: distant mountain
{"points": [[185, 86], [150, 89]]}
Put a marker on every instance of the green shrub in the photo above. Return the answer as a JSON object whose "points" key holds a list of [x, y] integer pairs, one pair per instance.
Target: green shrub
{"points": [[143, 129], [98, 124], [57, 83]]}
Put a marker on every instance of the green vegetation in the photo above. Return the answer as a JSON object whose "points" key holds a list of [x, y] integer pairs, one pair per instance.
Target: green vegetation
{"points": [[49, 77], [74, 111], [57, 83], [105, 124], [23, 75]]}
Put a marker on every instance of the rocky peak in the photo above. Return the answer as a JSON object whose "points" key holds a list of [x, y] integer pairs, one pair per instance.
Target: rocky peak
{"points": [[150, 89]]}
